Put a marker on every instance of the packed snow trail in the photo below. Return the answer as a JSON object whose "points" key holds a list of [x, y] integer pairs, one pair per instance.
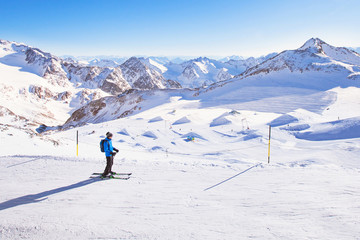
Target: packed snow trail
{"points": [[53, 198]]}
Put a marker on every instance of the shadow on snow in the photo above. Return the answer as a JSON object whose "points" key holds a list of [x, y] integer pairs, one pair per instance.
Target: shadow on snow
{"points": [[39, 197]]}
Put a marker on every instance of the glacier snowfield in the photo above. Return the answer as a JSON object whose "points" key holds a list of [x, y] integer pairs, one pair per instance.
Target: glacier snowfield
{"points": [[310, 189]]}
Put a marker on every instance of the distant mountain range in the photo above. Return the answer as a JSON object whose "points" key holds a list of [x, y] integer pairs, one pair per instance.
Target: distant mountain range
{"points": [[292, 75], [40, 88], [192, 73]]}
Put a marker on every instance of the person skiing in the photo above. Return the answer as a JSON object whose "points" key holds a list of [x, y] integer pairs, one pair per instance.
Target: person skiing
{"points": [[110, 152]]}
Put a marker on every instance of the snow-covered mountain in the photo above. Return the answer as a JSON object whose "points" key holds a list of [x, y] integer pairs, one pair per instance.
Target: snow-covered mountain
{"points": [[356, 49], [293, 75], [314, 56], [161, 60], [44, 89], [191, 73], [70, 85], [311, 72], [197, 72], [241, 65], [140, 76], [103, 63], [38, 86], [203, 71], [233, 57], [99, 61]]}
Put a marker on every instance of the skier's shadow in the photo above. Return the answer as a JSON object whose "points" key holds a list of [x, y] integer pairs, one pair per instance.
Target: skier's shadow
{"points": [[34, 198]]}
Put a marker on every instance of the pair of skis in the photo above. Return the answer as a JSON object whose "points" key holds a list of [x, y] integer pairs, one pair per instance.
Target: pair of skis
{"points": [[122, 176]]}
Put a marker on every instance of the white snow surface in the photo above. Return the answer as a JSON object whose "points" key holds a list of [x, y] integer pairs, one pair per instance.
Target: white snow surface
{"points": [[219, 186], [310, 189]]}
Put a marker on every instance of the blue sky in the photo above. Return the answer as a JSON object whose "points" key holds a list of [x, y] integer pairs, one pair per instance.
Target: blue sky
{"points": [[182, 28]]}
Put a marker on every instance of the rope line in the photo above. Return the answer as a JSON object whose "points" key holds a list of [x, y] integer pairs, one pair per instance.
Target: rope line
{"points": [[232, 177]]}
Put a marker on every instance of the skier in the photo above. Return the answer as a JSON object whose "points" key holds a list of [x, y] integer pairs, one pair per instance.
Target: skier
{"points": [[110, 152]]}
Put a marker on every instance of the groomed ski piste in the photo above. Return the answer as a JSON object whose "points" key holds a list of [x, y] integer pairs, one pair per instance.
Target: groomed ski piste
{"points": [[309, 190]]}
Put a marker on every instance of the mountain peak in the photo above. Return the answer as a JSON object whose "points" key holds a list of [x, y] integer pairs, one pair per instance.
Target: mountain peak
{"points": [[200, 59], [342, 54], [314, 43], [134, 62], [133, 59]]}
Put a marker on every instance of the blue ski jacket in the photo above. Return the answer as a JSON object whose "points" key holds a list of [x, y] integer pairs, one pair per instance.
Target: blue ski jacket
{"points": [[108, 147]]}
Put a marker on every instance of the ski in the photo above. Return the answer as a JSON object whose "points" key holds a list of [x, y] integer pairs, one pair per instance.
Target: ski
{"points": [[128, 174], [111, 177]]}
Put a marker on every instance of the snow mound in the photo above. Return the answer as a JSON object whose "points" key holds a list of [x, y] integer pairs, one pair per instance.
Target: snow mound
{"points": [[124, 132], [181, 121], [222, 120], [341, 129], [156, 119], [192, 134], [282, 120], [249, 134], [149, 134], [139, 145], [156, 148], [299, 127]]}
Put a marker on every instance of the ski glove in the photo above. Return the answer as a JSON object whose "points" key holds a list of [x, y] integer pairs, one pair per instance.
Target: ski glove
{"points": [[116, 150]]}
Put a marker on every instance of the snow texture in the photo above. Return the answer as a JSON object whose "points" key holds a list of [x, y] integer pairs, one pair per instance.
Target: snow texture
{"points": [[309, 190]]}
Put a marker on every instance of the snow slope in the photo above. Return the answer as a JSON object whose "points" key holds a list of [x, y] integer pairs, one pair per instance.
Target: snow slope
{"points": [[310, 187], [218, 186]]}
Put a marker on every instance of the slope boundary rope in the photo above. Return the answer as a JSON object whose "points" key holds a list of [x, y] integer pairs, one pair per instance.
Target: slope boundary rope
{"points": [[228, 179]]}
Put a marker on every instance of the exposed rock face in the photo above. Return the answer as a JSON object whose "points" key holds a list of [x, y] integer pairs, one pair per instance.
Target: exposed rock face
{"points": [[42, 92], [115, 83], [140, 76], [11, 120], [223, 75], [103, 109], [93, 108], [189, 73], [48, 66], [64, 96], [173, 84]]}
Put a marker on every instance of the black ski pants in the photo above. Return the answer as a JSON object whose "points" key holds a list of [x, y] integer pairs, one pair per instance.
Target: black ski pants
{"points": [[109, 163]]}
